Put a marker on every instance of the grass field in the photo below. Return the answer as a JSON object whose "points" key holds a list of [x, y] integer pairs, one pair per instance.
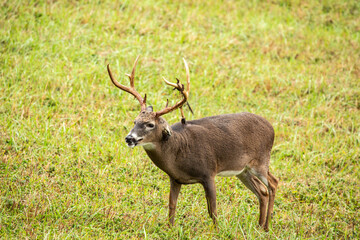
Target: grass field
{"points": [[65, 170]]}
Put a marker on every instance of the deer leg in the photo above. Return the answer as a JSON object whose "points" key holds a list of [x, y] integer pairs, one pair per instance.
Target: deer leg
{"points": [[256, 186], [174, 193], [273, 183], [210, 193]]}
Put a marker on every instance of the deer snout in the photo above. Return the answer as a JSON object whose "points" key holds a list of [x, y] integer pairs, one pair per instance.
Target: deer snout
{"points": [[132, 141], [129, 139]]}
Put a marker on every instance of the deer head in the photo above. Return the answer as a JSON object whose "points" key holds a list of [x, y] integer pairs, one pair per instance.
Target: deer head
{"points": [[149, 126]]}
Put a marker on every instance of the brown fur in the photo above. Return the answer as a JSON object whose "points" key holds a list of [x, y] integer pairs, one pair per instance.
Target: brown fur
{"points": [[198, 150]]}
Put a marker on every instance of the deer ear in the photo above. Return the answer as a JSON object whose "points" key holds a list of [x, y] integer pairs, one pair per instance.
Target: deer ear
{"points": [[166, 133], [149, 109]]}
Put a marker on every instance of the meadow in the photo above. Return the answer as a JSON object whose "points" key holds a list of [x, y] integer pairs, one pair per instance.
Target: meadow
{"points": [[65, 170]]}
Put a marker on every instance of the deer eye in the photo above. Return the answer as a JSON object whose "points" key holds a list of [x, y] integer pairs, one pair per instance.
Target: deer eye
{"points": [[150, 125]]}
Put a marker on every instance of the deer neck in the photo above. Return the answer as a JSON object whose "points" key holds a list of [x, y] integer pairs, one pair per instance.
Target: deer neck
{"points": [[165, 152]]}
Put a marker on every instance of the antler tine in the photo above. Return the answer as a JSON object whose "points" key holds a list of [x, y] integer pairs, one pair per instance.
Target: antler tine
{"points": [[130, 89], [180, 88], [170, 83], [132, 76], [187, 76]]}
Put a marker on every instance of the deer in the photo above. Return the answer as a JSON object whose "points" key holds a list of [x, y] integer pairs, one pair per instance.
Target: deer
{"points": [[196, 151]]}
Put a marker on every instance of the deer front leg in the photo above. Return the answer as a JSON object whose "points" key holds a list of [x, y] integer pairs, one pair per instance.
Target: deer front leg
{"points": [[210, 192], [174, 193]]}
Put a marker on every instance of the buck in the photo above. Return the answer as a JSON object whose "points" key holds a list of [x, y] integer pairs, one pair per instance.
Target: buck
{"points": [[197, 151]]}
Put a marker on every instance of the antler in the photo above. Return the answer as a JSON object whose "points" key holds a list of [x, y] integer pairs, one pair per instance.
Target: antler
{"points": [[130, 89], [180, 88]]}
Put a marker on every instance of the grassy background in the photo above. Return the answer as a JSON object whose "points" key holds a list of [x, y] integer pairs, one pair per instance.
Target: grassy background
{"points": [[65, 170]]}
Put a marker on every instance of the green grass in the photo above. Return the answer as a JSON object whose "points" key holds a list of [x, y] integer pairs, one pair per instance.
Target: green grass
{"points": [[65, 171]]}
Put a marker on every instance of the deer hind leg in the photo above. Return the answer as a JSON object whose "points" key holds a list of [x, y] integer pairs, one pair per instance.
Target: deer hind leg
{"points": [[273, 183], [253, 183]]}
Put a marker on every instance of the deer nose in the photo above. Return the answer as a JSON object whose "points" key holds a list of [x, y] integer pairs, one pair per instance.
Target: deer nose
{"points": [[129, 139]]}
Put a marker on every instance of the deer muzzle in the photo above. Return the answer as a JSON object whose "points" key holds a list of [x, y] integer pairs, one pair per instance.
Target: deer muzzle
{"points": [[132, 140]]}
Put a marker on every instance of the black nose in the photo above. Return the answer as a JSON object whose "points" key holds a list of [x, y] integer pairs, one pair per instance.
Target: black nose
{"points": [[129, 139]]}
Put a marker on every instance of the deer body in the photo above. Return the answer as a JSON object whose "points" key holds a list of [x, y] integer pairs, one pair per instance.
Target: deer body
{"points": [[207, 147], [197, 151]]}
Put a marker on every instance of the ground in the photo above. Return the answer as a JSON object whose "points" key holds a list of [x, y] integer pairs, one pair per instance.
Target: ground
{"points": [[65, 170]]}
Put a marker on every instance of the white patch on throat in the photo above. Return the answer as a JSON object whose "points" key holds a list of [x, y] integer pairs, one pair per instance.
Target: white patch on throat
{"points": [[229, 173], [148, 146]]}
